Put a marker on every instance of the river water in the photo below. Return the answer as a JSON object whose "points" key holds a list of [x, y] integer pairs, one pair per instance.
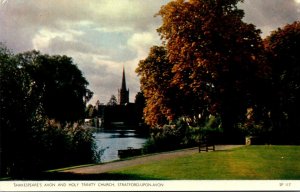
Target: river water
{"points": [[110, 141]]}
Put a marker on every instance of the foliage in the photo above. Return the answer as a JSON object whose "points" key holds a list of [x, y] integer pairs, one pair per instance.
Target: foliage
{"points": [[155, 76], [59, 146], [112, 101], [213, 63], [140, 103], [210, 64], [210, 130], [214, 56], [282, 48], [254, 126], [181, 134], [37, 117], [90, 111], [62, 87], [164, 139]]}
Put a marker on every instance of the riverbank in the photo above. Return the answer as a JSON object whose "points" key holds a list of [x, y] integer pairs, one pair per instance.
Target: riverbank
{"points": [[105, 171], [263, 162], [255, 162], [107, 167]]}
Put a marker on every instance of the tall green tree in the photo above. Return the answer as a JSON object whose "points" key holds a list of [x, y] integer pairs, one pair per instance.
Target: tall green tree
{"points": [[29, 142], [214, 54], [62, 85], [19, 111], [282, 48]]}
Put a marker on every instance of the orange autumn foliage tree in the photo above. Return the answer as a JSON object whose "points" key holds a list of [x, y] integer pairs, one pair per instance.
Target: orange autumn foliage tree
{"points": [[155, 77], [214, 54]]}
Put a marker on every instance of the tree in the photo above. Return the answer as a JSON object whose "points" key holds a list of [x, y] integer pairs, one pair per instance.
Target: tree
{"points": [[91, 111], [112, 101], [140, 105], [155, 77], [214, 54], [63, 88], [282, 48], [19, 112], [29, 142]]}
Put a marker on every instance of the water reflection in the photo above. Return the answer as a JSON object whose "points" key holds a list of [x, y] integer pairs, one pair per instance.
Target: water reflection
{"points": [[113, 140]]}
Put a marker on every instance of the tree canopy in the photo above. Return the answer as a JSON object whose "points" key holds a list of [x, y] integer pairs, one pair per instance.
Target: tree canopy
{"points": [[213, 63], [282, 48], [212, 56], [42, 96], [62, 87], [112, 101], [155, 75]]}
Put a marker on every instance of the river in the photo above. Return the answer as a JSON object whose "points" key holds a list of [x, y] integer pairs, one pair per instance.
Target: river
{"points": [[110, 141]]}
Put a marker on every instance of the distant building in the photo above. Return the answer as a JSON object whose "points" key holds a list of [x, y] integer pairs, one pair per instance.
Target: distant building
{"points": [[123, 92], [121, 115], [124, 114]]}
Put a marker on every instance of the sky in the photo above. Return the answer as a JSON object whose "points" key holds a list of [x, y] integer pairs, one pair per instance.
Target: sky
{"points": [[103, 36]]}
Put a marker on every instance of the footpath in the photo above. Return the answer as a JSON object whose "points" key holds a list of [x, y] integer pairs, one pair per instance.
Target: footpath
{"points": [[111, 166]]}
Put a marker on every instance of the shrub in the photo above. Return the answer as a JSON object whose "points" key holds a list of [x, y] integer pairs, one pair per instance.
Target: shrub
{"points": [[68, 145], [181, 134], [54, 146]]}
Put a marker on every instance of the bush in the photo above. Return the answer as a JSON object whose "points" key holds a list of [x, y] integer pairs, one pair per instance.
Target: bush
{"points": [[170, 137], [68, 145], [182, 134], [163, 139], [53, 146]]}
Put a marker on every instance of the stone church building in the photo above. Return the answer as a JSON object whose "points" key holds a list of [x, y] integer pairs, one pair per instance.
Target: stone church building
{"points": [[121, 116]]}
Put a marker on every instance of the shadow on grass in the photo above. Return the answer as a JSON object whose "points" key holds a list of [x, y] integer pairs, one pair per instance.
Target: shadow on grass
{"points": [[70, 176]]}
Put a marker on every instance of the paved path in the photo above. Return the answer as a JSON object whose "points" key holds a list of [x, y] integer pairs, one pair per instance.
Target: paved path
{"points": [[102, 168]]}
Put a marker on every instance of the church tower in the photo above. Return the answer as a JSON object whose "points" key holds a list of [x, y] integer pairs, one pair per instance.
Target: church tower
{"points": [[123, 92]]}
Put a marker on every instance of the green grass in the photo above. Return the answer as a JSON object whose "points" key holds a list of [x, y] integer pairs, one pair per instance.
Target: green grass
{"points": [[251, 162]]}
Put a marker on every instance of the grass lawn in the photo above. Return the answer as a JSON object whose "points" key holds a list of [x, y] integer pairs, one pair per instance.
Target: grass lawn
{"points": [[249, 162]]}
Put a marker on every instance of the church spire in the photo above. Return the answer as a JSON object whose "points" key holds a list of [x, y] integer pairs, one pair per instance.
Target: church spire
{"points": [[123, 80], [123, 92]]}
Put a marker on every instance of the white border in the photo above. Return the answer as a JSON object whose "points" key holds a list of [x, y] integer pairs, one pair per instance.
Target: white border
{"points": [[155, 185]]}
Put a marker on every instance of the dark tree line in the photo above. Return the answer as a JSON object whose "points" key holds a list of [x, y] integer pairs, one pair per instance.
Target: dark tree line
{"points": [[130, 114], [213, 63], [283, 93], [42, 104]]}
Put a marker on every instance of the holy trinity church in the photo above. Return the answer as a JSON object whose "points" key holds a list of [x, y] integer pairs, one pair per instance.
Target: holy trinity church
{"points": [[123, 115]]}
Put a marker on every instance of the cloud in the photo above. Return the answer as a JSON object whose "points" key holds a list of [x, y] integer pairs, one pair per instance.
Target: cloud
{"points": [[268, 15], [141, 42]]}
